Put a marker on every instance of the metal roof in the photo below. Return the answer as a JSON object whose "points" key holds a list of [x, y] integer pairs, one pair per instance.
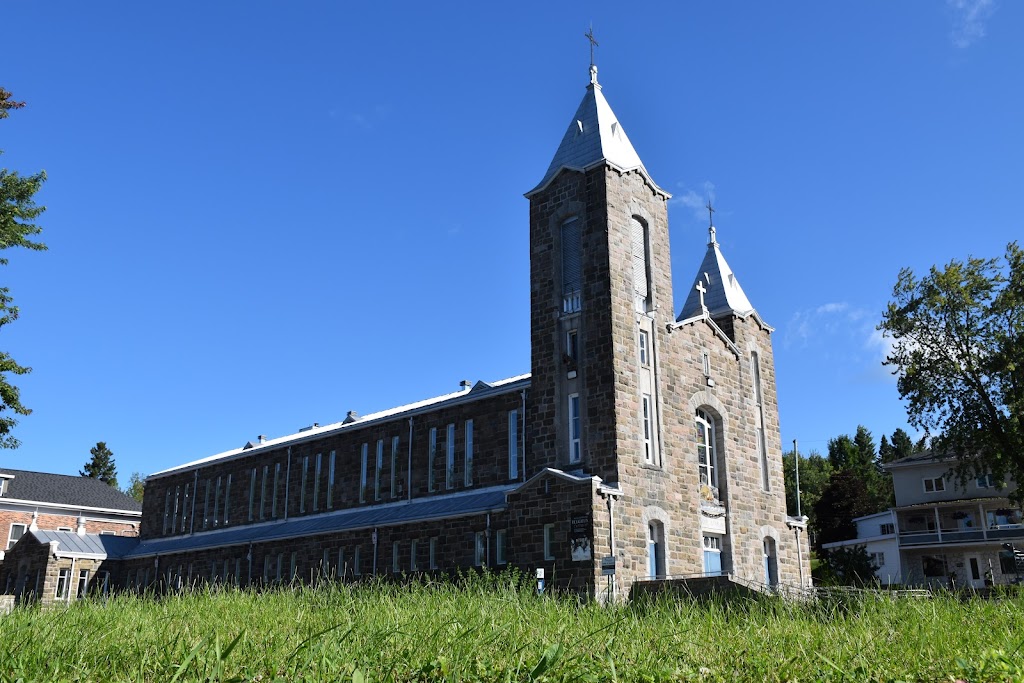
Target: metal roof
{"points": [[63, 489], [594, 136], [722, 291], [71, 544], [423, 509]]}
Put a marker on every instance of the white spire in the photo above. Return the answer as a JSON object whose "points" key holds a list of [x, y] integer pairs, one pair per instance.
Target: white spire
{"points": [[715, 289]]}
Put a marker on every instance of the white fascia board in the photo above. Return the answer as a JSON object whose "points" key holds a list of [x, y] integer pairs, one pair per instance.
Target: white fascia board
{"points": [[59, 508]]}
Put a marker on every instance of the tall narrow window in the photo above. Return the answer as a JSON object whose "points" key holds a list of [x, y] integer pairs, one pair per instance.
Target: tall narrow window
{"points": [[513, 444], [499, 547], [330, 481], [227, 500], [641, 273], [83, 583], [645, 348], [174, 512], [273, 493], [712, 555], [413, 548], [706, 363], [549, 541], [468, 465], [394, 467], [378, 470], [206, 505], [263, 492], [480, 549], [302, 487], [431, 457], [575, 448], [449, 477], [364, 454], [755, 367], [252, 495], [648, 431], [395, 566], [341, 569], [656, 550], [357, 569], [63, 584], [216, 502], [316, 482], [167, 511], [432, 559], [572, 348], [572, 265], [706, 469], [186, 507]]}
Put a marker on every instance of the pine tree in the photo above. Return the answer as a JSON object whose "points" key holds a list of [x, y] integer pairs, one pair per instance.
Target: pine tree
{"points": [[902, 445], [885, 451], [101, 466]]}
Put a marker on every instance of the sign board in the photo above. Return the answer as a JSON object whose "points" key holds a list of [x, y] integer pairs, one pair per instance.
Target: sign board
{"points": [[540, 572], [579, 538], [608, 565]]}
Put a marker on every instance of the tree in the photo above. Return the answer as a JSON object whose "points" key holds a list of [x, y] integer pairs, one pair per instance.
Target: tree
{"points": [[136, 486], [815, 471], [843, 453], [17, 211], [849, 565], [101, 466], [958, 350], [902, 445], [845, 498], [865, 443]]}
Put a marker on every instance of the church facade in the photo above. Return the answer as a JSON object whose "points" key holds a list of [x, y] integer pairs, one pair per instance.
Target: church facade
{"points": [[643, 444]]}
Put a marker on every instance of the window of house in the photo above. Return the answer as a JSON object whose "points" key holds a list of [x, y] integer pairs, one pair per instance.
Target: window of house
{"points": [[712, 555], [499, 547], [513, 444], [933, 565], [706, 363], [316, 482], [762, 448], [174, 512], [645, 352], [641, 272], [340, 568], [330, 481], [878, 559], [16, 532], [63, 584], [433, 552], [357, 569], [302, 486], [1007, 562], [648, 431], [480, 549], [431, 458], [325, 563], [263, 493], [986, 481], [293, 566], [167, 511], [655, 550], [449, 477], [379, 469], [266, 568], [394, 467], [934, 484], [707, 471], [549, 541], [252, 495], [216, 502], [186, 507], [572, 347], [575, 448], [1003, 517], [572, 265], [273, 493], [108, 533], [395, 566], [886, 529], [413, 549], [467, 478], [227, 500], [206, 505], [364, 455]]}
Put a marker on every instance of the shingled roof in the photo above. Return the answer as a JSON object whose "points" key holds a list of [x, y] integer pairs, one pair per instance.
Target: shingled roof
{"points": [[63, 489]]}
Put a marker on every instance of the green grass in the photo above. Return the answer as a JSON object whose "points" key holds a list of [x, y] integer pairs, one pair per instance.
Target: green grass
{"points": [[491, 630]]}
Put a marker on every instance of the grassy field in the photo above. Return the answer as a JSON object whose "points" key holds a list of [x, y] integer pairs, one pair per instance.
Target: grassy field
{"points": [[490, 630]]}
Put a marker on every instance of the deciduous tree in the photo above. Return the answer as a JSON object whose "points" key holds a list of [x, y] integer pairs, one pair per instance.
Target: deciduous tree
{"points": [[136, 486], [958, 351]]}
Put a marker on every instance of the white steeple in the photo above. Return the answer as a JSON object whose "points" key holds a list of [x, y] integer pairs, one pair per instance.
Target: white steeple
{"points": [[715, 289], [595, 136]]}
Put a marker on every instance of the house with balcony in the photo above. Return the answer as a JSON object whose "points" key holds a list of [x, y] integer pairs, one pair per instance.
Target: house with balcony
{"points": [[877, 533], [952, 533]]}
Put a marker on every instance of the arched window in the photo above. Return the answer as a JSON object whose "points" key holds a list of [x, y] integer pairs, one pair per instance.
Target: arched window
{"points": [[705, 431], [656, 550], [641, 270], [771, 562], [572, 265]]}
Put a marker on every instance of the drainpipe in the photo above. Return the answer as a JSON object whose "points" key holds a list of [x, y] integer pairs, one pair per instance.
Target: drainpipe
{"points": [[408, 476], [71, 581], [799, 555], [287, 482], [248, 557], [487, 534], [195, 494], [374, 537], [523, 473], [611, 543]]}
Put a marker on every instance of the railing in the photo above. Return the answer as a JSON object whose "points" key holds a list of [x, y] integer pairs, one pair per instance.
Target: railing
{"points": [[955, 535]]}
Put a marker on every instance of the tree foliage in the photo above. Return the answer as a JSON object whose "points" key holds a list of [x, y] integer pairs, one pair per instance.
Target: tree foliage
{"points": [[136, 486], [845, 498], [847, 566], [815, 471], [958, 351], [17, 211], [101, 465]]}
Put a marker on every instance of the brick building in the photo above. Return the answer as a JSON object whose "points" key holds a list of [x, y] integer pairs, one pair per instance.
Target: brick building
{"points": [[639, 435]]}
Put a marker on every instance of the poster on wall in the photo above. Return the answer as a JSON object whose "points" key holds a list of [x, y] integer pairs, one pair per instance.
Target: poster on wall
{"points": [[580, 538]]}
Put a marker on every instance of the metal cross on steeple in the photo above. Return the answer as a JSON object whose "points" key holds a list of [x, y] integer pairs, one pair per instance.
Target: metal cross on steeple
{"points": [[711, 224], [589, 35]]}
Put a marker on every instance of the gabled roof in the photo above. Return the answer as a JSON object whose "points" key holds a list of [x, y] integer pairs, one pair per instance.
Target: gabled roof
{"points": [[722, 292], [71, 544], [595, 136], [63, 489]]}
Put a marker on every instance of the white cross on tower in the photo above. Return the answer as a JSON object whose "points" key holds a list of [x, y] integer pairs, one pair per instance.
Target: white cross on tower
{"points": [[703, 290]]}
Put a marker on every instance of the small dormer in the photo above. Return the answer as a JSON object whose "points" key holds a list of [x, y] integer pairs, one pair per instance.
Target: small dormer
{"points": [[5, 483]]}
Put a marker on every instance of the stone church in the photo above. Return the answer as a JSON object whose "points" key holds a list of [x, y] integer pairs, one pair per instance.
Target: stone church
{"points": [[644, 444]]}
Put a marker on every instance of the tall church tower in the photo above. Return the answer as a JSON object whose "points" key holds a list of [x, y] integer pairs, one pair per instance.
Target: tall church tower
{"points": [[600, 299]]}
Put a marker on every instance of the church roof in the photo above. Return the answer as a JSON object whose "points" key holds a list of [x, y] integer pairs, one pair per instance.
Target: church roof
{"points": [[62, 489], [595, 136], [722, 292]]}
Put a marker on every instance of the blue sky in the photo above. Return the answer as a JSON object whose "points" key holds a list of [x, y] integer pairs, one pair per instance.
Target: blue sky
{"points": [[263, 215]]}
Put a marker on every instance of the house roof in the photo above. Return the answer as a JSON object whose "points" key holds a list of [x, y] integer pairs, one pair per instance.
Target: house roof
{"points": [[594, 136], [63, 489], [422, 509], [722, 294], [928, 457], [71, 544]]}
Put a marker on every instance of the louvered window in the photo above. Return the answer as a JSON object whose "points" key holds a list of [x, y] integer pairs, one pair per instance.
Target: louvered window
{"points": [[572, 265], [641, 286]]}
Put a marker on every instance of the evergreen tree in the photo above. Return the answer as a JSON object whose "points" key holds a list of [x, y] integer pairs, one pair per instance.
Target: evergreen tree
{"points": [[101, 465], [842, 452], [885, 451], [902, 445], [865, 443], [845, 498], [815, 471]]}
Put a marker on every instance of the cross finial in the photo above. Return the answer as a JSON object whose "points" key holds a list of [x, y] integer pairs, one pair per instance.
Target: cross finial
{"points": [[703, 290], [711, 224], [589, 35]]}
